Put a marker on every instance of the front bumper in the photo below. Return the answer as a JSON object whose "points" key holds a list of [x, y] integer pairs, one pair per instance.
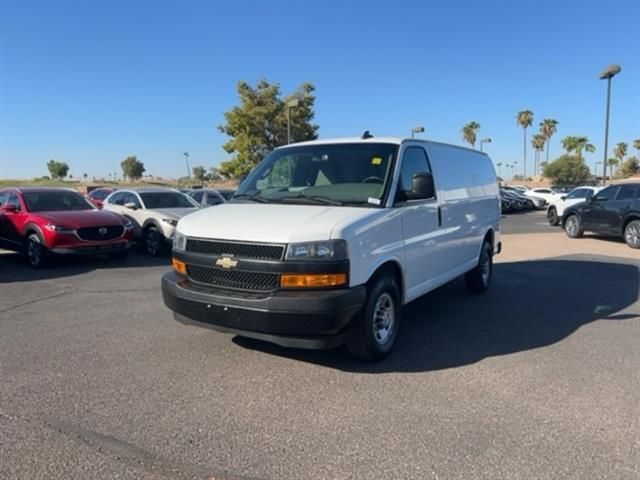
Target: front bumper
{"points": [[301, 319], [99, 249]]}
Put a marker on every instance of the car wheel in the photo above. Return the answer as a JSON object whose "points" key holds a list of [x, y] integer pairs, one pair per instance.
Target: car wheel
{"points": [[573, 227], [478, 280], [632, 234], [154, 242], [36, 251], [552, 217], [377, 323]]}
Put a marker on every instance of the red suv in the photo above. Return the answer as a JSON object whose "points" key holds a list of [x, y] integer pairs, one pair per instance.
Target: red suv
{"points": [[41, 221], [98, 195]]}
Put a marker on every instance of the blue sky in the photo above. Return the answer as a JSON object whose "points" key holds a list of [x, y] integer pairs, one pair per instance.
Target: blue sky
{"points": [[90, 82]]}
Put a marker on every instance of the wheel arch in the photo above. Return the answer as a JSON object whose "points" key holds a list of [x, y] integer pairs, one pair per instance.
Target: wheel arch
{"points": [[30, 228], [390, 267], [628, 219]]}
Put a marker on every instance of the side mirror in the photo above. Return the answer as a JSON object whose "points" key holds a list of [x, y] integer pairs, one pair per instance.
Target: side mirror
{"points": [[10, 208], [422, 186], [563, 197], [131, 206]]}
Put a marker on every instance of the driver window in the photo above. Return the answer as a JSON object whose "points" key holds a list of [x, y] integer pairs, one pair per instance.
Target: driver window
{"points": [[14, 200], [3, 197], [606, 194], [414, 161], [131, 198]]}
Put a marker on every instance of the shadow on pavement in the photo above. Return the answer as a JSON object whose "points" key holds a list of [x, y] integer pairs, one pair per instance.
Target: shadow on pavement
{"points": [[14, 267], [530, 305]]}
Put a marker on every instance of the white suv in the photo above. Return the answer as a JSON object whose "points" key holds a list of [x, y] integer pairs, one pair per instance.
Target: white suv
{"points": [[559, 205], [153, 212]]}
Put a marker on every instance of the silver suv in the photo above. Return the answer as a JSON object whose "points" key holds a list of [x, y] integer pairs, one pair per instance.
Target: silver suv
{"points": [[154, 214]]}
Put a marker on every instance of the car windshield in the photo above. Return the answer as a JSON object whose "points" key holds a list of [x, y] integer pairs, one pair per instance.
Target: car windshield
{"points": [[55, 201], [337, 174], [154, 200]]}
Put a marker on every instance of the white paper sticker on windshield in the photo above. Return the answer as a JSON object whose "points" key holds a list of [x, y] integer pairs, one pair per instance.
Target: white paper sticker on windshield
{"points": [[374, 201]]}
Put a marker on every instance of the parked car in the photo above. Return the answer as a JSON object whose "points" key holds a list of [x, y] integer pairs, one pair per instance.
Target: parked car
{"points": [[532, 201], [521, 188], [227, 193], [613, 211], [98, 195], [506, 205], [154, 214], [546, 193], [207, 197], [44, 221], [326, 240], [519, 202], [555, 211]]}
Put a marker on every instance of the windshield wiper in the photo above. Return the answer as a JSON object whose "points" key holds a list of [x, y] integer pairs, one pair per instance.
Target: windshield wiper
{"points": [[314, 198], [254, 197]]}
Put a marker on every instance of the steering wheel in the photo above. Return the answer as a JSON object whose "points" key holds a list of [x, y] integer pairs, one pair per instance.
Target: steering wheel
{"points": [[372, 179]]}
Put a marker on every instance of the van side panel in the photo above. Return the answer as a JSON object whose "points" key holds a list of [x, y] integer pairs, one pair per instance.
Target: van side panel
{"points": [[469, 199]]}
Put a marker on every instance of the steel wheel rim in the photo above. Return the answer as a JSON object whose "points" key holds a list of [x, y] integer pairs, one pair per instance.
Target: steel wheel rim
{"points": [[572, 225], [485, 270], [632, 235], [384, 319]]}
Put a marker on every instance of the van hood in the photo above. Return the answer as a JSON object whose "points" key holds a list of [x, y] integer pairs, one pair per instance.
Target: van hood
{"points": [[81, 218], [269, 223]]}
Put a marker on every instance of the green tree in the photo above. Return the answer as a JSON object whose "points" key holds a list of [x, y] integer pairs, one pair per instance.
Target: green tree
{"points": [[577, 144], [524, 118], [132, 168], [548, 128], [612, 163], [259, 124], [57, 170], [620, 151], [566, 170], [215, 175], [636, 145], [470, 133], [200, 174], [537, 142], [630, 167]]}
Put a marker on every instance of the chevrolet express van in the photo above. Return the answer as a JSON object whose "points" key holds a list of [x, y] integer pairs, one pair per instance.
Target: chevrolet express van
{"points": [[325, 241]]}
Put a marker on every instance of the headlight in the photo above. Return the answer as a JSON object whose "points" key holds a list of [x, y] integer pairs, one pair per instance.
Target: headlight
{"points": [[327, 250], [59, 229], [179, 241], [170, 221]]}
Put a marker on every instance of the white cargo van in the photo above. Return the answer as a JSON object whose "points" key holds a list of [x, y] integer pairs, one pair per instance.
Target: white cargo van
{"points": [[326, 240]]}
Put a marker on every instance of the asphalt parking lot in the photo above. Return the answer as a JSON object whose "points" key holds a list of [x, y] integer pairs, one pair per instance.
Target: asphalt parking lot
{"points": [[537, 379]]}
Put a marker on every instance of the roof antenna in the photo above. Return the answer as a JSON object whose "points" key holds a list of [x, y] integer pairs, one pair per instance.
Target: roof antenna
{"points": [[366, 134]]}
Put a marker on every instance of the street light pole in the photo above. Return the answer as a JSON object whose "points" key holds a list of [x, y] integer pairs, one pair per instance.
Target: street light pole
{"points": [[294, 102], [484, 140], [419, 129], [186, 161], [607, 75]]}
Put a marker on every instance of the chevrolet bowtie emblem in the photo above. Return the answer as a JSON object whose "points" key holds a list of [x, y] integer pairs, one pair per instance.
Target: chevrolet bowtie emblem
{"points": [[226, 262]]}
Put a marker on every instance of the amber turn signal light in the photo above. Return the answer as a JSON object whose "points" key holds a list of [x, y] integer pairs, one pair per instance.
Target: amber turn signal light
{"points": [[179, 266], [313, 281]]}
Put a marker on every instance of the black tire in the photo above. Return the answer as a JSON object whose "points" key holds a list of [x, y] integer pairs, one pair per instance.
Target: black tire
{"points": [[377, 323], [552, 216], [154, 242], [632, 234], [36, 251], [573, 226], [478, 280], [119, 255]]}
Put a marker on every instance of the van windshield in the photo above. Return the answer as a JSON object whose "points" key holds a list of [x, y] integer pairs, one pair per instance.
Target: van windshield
{"points": [[336, 174]]}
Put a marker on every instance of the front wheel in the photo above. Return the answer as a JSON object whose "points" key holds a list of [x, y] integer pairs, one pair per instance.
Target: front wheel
{"points": [[36, 251], [552, 217], [154, 242], [632, 234], [478, 280], [377, 324], [573, 227]]}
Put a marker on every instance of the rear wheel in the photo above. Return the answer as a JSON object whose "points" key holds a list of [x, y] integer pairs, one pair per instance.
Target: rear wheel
{"points": [[155, 242], [36, 251], [552, 217], [377, 324], [478, 280], [632, 234], [573, 227]]}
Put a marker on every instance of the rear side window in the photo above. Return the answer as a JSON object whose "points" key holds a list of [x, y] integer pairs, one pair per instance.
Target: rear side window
{"points": [[580, 193], [198, 196], [213, 199], [627, 192], [413, 161]]}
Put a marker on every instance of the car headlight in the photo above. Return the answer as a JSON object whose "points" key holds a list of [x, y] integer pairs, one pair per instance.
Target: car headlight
{"points": [[326, 250], [59, 229], [170, 221], [179, 241]]}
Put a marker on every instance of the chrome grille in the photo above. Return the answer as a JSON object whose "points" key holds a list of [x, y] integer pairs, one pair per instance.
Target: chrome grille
{"points": [[95, 234], [234, 279], [257, 251]]}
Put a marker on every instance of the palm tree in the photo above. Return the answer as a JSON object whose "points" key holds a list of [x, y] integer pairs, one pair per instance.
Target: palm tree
{"points": [[577, 144], [612, 162], [537, 142], [524, 118], [620, 151], [470, 133], [548, 127], [636, 145]]}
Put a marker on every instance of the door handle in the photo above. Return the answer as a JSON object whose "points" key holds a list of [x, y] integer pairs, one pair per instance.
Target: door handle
{"points": [[439, 216]]}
